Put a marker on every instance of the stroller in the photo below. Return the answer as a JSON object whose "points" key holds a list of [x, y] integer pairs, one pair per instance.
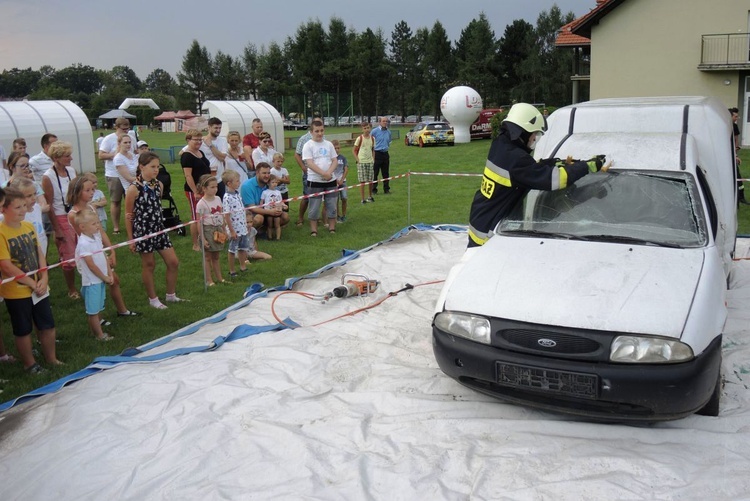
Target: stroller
{"points": [[168, 206]]}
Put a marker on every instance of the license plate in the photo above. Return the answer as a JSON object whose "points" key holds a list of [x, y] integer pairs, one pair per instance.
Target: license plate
{"points": [[574, 384]]}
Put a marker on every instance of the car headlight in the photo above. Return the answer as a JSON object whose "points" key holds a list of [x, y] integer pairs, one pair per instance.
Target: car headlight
{"points": [[464, 325], [648, 350]]}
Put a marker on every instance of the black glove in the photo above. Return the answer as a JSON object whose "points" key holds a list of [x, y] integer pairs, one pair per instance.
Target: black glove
{"points": [[596, 163]]}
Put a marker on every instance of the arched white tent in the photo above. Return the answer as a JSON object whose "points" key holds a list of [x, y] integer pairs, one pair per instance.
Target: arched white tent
{"points": [[138, 101], [239, 115], [33, 119]]}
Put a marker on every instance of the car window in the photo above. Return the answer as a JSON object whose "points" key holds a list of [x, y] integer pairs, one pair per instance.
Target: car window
{"points": [[438, 127], [657, 207]]}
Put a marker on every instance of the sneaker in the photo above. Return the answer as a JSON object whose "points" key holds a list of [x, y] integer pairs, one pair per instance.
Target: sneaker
{"points": [[341, 219], [129, 313], [35, 369], [174, 299], [234, 275], [364, 202], [370, 199], [158, 305]]}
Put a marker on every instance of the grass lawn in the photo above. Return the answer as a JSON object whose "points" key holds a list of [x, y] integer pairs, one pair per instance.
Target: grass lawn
{"points": [[417, 199]]}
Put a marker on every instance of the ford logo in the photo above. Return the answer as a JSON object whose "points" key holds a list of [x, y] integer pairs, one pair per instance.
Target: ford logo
{"points": [[547, 343]]}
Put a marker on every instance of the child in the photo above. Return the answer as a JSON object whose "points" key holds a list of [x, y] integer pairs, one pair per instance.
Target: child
{"points": [[34, 211], [319, 157], [364, 155], [342, 170], [143, 216], [271, 198], [94, 269], [27, 298], [234, 217], [254, 253], [280, 172], [80, 193], [209, 211], [99, 202]]}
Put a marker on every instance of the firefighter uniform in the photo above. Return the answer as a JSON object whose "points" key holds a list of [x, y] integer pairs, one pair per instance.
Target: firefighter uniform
{"points": [[509, 174]]}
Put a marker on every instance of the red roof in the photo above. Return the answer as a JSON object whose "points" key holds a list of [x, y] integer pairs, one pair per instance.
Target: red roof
{"points": [[577, 32]]}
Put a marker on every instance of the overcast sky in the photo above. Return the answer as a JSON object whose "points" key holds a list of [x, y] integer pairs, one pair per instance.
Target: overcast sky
{"points": [[150, 34]]}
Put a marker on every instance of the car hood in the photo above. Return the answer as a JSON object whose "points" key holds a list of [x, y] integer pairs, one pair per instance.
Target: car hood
{"points": [[587, 285]]}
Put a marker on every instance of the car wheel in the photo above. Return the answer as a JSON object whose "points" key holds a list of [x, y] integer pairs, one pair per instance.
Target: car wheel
{"points": [[712, 406], [406, 141], [451, 144], [421, 143]]}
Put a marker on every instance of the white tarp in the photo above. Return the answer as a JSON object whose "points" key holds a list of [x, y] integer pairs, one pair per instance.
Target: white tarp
{"points": [[357, 409]]}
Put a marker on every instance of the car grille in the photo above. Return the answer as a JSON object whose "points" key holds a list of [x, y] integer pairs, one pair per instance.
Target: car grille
{"points": [[563, 343], [553, 341]]}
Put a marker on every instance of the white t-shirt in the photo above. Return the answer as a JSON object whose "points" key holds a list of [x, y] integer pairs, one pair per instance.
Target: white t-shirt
{"points": [[59, 190], [259, 156], [279, 173], [322, 154], [130, 163], [88, 246], [35, 218], [40, 163], [270, 198], [216, 165], [109, 145], [99, 142]]}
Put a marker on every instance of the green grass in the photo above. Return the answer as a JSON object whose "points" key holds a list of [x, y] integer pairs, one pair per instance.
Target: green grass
{"points": [[432, 200]]}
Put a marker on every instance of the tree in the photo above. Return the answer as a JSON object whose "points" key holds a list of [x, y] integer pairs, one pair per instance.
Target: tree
{"points": [[308, 59], [78, 78], [250, 70], [439, 65], [17, 83], [274, 77], [196, 75], [228, 80], [335, 72], [476, 58], [513, 49], [126, 78], [403, 59], [161, 82], [369, 68]]}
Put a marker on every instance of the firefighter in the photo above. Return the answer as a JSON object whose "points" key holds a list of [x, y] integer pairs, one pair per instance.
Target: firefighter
{"points": [[511, 172]]}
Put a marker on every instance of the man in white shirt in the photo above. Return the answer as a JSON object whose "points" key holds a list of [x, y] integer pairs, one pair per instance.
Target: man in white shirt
{"points": [[321, 161], [107, 152], [99, 141], [215, 148], [40, 163]]}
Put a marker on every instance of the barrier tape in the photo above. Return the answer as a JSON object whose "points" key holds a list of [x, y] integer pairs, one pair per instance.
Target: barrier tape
{"points": [[293, 199]]}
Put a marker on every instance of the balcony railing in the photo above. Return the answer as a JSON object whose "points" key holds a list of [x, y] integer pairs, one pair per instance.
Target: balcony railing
{"points": [[727, 51]]}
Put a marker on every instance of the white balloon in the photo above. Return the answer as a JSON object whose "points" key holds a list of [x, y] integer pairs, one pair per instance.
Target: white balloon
{"points": [[461, 107]]}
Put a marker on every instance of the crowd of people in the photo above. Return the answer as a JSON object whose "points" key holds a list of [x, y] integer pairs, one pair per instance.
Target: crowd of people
{"points": [[236, 193]]}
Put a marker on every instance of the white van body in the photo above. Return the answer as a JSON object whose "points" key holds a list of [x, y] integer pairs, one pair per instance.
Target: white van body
{"points": [[542, 301]]}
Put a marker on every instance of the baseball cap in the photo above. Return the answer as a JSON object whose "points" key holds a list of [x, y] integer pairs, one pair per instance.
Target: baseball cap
{"points": [[141, 143]]}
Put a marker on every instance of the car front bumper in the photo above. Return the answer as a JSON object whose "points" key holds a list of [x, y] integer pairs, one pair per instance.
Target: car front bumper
{"points": [[600, 391]]}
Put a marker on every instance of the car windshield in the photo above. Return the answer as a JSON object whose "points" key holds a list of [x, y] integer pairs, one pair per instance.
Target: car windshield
{"points": [[647, 207], [438, 127]]}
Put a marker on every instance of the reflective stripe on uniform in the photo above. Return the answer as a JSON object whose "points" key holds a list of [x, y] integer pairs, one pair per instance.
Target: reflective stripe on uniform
{"points": [[559, 178], [477, 236], [497, 174]]}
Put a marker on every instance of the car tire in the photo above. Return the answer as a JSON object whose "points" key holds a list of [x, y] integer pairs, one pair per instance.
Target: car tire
{"points": [[451, 144], [421, 143], [406, 141], [712, 406]]}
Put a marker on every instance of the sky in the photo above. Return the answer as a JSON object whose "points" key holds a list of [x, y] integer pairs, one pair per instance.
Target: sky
{"points": [[150, 34]]}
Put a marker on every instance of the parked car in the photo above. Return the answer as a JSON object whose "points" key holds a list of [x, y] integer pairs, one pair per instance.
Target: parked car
{"points": [[427, 133], [606, 299], [482, 127], [294, 125]]}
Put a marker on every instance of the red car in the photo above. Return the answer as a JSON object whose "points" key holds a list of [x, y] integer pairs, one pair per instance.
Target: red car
{"points": [[482, 128]]}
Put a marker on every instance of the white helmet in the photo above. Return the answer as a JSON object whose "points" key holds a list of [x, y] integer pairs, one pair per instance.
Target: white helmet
{"points": [[527, 117]]}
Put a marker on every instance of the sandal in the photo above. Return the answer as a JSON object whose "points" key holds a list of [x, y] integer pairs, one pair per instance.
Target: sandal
{"points": [[74, 295], [7, 359], [105, 323], [233, 275], [105, 337], [129, 313], [299, 223], [332, 232], [313, 233]]}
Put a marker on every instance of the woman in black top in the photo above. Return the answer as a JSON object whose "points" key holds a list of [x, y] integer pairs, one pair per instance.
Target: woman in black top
{"points": [[194, 165]]}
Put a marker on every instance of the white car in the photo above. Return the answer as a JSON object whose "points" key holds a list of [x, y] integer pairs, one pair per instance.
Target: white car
{"points": [[606, 299]]}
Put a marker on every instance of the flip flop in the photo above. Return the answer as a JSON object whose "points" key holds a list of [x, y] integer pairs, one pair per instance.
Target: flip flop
{"points": [[74, 295], [7, 359]]}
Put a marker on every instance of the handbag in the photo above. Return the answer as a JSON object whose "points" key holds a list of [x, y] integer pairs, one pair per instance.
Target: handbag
{"points": [[220, 237]]}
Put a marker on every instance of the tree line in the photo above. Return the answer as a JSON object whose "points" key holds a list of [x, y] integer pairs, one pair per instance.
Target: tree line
{"points": [[335, 71]]}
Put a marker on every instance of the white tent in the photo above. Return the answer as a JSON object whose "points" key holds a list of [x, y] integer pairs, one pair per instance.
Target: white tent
{"points": [[32, 119], [138, 101], [239, 115], [351, 404]]}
